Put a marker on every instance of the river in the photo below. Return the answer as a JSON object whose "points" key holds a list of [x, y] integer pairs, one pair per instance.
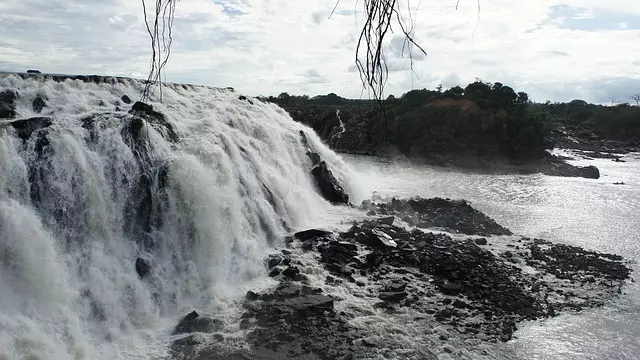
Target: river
{"points": [[595, 214]]}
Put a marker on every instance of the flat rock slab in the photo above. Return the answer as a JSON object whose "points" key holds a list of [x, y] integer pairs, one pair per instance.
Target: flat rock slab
{"points": [[451, 215]]}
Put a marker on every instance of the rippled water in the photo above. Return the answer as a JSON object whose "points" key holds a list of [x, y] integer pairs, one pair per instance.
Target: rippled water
{"points": [[595, 214]]}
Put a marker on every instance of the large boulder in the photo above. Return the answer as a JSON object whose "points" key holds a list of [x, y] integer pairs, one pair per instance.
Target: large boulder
{"points": [[312, 233], [7, 104], [38, 104], [144, 113], [589, 172], [328, 185], [142, 267], [193, 322], [26, 127]]}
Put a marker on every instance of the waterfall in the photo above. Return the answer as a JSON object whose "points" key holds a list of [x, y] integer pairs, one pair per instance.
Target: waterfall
{"points": [[114, 223]]}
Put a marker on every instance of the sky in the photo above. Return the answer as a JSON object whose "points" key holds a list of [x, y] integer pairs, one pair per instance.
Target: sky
{"points": [[555, 50]]}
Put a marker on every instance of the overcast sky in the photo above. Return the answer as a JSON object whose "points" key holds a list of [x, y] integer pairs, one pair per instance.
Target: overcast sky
{"points": [[553, 49]]}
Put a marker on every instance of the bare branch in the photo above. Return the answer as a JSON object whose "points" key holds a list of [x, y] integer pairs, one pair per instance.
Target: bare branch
{"points": [[161, 39]]}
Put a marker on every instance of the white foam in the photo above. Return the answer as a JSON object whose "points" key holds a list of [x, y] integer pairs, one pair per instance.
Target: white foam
{"points": [[68, 284]]}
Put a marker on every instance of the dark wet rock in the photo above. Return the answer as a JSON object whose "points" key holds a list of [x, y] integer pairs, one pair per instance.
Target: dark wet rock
{"points": [[311, 234], [242, 97], [144, 114], [574, 263], [481, 241], [146, 205], [328, 185], [471, 291], [193, 322], [451, 215], [392, 296], [38, 104], [27, 127], [142, 267], [555, 167], [314, 157], [459, 304], [139, 106], [455, 282], [374, 238], [387, 220], [252, 296], [126, 99], [7, 104], [450, 288], [291, 272], [33, 71], [273, 261], [298, 322], [274, 273]]}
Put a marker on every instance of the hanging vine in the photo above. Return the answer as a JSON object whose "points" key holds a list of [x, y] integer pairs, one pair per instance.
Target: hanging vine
{"points": [[159, 26]]}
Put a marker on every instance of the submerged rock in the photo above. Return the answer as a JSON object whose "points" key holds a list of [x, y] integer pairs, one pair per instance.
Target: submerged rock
{"points": [[27, 127], [144, 113], [7, 104], [38, 104], [193, 322], [554, 166], [142, 267]]}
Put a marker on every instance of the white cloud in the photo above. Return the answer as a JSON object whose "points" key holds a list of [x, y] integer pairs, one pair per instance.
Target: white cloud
{"points": [[267, 47]]}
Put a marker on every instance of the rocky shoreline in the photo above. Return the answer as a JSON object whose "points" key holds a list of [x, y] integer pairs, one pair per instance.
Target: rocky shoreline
{"points": [[358, 131], [473, 286]]}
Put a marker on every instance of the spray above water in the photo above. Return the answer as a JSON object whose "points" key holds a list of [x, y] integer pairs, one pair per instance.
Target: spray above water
{"points": [[113, 222]]}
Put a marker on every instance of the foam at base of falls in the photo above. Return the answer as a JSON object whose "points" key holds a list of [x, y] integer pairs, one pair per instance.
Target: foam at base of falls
{"points": [[83, 198]]}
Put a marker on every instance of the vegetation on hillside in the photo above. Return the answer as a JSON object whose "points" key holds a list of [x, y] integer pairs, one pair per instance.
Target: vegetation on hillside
{"points": [[485, 119], [620, 122]]}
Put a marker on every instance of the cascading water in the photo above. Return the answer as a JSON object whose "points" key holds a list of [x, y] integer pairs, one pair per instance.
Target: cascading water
{"points": [[92, 196]]}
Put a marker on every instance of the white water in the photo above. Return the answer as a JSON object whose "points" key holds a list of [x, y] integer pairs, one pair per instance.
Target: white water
{"points": [[68, 285]]}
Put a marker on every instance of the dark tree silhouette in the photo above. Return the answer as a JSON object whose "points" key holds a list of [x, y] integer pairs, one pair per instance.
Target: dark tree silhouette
{"points": [[635, 97]]}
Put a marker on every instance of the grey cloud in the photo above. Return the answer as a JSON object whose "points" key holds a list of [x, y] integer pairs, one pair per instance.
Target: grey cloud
{"points": [[596, 90], [484, 61], [557, 53], [399, 47], [394, 65], [318, 17], [311, 73], [450, 81], [312, 76], [72, 36]]}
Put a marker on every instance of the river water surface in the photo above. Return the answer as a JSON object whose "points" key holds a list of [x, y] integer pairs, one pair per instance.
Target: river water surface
{"points": [[594, 214]]}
